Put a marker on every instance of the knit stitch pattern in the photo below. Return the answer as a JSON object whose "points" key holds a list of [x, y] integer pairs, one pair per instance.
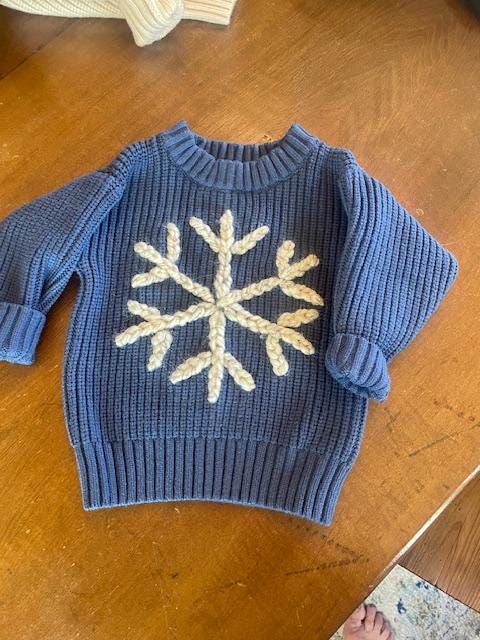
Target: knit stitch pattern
{"points": [[239, 305]]}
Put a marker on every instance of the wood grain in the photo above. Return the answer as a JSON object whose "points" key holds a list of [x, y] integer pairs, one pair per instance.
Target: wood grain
{"points": [[397, 82], [24, 34], [448, 554]]}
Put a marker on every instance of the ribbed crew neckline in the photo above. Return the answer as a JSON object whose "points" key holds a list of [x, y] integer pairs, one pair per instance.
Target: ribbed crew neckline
{"points": [[233, 165]]}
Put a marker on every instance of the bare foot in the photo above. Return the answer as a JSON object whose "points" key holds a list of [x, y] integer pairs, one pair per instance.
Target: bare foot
{"points": [[366, 623]]}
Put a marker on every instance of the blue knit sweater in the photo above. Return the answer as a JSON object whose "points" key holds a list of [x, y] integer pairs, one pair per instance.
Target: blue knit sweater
{"points": [[238, 306]]}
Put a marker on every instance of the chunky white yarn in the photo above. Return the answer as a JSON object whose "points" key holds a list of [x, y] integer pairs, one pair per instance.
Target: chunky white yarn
{"points": [[149, 20]]}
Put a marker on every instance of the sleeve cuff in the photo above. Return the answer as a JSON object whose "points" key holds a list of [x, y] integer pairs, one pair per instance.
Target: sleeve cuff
{"points": [[358, 365], [20, 329], [215, 11]]}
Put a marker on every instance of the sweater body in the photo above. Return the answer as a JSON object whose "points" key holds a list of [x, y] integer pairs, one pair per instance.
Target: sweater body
{"points": [[238, 306]]}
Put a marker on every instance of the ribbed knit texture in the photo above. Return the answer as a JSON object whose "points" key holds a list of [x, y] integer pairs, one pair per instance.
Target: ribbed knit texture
{"points": [[282, 428], [149, 20]]}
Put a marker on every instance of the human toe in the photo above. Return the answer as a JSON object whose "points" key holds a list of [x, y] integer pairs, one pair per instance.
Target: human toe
{"points": [[370, 614], [354, 622], [359, 614], [386, 632], [378, 622]]}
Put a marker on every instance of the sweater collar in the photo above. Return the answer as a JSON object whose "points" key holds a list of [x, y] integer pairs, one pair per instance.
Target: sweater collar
{"points": [[236, 166]]}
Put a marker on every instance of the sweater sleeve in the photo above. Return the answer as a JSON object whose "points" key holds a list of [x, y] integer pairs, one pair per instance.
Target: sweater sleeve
{"points": [[40, 246], [391, 278]]}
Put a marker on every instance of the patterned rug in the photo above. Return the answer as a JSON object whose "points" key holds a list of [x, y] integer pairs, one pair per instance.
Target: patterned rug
{"points": [[420, 611]]}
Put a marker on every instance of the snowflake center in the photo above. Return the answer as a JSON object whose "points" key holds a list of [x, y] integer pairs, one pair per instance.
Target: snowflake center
{"points": [[223, 302]]}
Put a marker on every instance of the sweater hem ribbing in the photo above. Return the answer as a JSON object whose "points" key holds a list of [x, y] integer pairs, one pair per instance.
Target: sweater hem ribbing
{"points": [[261, 474]]}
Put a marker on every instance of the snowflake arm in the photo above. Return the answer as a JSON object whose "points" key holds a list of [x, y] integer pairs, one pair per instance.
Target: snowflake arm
{"points": [[287, 272], [249, 241], [257, 324], [205, 232], [194, 365], [166, 268], [156, 324], [191, 366], [161, 342], [239, 247], [273, 345]]}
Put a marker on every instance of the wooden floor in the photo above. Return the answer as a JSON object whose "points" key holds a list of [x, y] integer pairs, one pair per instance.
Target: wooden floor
{"points": [[398, 83], [448, 553]]}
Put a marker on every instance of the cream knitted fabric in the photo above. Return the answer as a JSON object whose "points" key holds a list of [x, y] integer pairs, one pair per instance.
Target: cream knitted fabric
{"points": [[149, 20], [218, 11]]}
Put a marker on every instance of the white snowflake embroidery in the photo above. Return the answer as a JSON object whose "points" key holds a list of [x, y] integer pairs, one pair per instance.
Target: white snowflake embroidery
{"points": [[221, 305]]}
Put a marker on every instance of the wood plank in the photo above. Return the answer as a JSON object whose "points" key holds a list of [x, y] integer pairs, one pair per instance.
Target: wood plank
{"points": [[24, 34], [397, 83], [448, 554]]}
